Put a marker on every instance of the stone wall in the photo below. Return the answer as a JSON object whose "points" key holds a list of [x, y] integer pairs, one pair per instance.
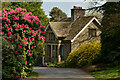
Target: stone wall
{"points": [[84, 37], [67, 48]]}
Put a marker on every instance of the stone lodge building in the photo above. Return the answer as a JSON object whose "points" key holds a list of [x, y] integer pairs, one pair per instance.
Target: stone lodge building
{"points": [[68, 34]]}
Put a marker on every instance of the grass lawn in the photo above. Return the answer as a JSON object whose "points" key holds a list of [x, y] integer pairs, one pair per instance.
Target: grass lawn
{"points": [[112, 73], [33, 74]]}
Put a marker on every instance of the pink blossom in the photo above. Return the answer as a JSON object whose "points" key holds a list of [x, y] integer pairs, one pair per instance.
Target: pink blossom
{"points": [[17, 29], [9, 33], [13, 15], [3, 9], [9, 12], [3, 14], [30, 41], [36, 22], [30, 54], [11, 74], [16, 18], [24, 38], [25, 56], [29, 37], [6, 25], [14, 71], [2, 27], [30, 13], [33, 38], [2, 33], [3, 38], [33, 34], [23, 47], [19, 38], [38, 33], [25, 61], [16, 39], [42, 32], [25, 26], [32, 47], [16, 51], [8, 19], [9, 9], [29, 32], [43, 39], [39, 30], [42, 26], [20, 46], [15, 22], [28, 50], [8, 28], [25, 42], [32, 31], [16, 76], [39, 37]]}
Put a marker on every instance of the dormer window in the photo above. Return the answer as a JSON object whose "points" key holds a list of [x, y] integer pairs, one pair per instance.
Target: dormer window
{"points": [[92, 32]]}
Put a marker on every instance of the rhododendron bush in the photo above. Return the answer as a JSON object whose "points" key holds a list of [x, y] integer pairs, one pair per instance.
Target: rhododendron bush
{"points": [[22, 31]]}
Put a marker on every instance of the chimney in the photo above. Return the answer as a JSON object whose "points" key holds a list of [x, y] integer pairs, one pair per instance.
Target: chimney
{"points": [[77, 11]]}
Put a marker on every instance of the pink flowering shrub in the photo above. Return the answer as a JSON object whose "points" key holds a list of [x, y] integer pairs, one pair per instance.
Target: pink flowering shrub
{"points": [[22, 31]]}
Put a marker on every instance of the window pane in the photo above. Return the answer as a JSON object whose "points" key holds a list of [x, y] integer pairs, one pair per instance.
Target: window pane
{"points": [[92, 32]]}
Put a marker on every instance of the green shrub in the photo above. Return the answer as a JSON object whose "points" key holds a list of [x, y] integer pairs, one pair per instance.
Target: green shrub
{"points": [[86, 54], [110, 40], [63, 64]]}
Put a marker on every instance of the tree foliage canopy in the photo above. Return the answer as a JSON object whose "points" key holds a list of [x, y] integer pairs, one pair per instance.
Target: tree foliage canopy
{"points": [[34, 7], [57, 14], [110, 31]]}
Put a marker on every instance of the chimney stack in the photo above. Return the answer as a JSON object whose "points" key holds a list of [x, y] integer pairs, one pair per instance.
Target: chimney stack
{"points": [[77, 11]]}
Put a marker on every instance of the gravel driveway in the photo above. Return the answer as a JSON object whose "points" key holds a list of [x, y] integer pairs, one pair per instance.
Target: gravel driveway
{"points": [[46, 73]]}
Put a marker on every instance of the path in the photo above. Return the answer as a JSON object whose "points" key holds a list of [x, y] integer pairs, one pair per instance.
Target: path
{"points": [[62, 74]]}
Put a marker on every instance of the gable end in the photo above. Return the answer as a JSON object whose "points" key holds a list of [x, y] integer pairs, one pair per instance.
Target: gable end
{"points": [[51, 29], [86, 27]]}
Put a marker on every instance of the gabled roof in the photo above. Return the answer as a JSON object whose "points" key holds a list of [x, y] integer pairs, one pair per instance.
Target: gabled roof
{"points": [[77, 26], [71, 30], [59, 28]]}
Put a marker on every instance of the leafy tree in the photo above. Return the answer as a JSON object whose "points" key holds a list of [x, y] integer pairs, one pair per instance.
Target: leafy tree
{"points": [[34, 7], [110, 31], [57, 14], [96, 14]]}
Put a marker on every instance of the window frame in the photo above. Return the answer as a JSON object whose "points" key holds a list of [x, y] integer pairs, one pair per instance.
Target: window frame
{"points": [[92, 32], [51, 36]]}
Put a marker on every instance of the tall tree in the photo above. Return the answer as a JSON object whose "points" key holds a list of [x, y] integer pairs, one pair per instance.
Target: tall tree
{"points": [[57, 14], [34, 7], [110, 31]]}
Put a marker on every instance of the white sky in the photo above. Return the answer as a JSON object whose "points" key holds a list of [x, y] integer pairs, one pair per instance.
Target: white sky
{"points": [[64, 5]]}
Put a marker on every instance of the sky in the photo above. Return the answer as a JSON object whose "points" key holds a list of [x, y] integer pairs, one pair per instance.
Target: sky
{"points": [[64, 5]]}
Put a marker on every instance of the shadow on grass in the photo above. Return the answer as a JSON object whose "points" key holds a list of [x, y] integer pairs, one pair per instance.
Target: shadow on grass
{"points": [[109, 79]]}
